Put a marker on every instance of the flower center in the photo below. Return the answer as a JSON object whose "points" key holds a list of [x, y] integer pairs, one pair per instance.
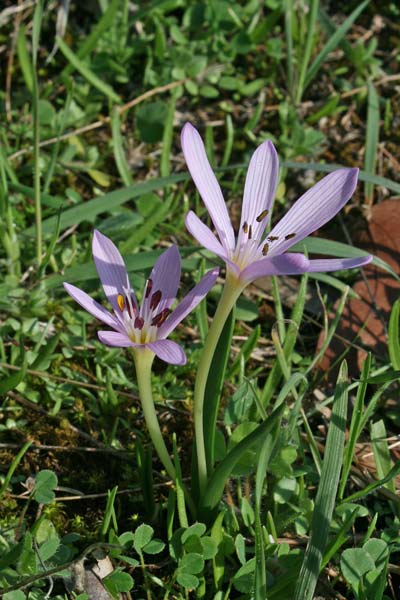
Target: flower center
{"points": [[141, 325], [251, 248]]}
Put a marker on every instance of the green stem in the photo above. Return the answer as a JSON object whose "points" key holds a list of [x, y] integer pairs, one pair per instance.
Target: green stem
{"points": [[232, 290], [143, 362]]}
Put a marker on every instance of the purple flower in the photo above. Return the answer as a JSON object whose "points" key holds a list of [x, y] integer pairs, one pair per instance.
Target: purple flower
{"points": [[252, 254], [149, 325]]}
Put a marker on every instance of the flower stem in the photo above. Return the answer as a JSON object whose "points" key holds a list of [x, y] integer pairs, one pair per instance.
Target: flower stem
{"points": [[232, 290], [143, 361]]}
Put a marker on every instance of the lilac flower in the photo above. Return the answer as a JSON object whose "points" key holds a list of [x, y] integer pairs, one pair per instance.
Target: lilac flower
{"points": [[252, 255], [149, 325]]}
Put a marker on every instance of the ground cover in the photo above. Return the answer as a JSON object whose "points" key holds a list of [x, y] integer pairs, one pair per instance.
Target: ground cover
{"points": [[94, 99]]}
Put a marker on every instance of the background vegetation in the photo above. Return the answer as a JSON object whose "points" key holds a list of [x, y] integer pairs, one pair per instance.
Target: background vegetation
{"points": [[93, 99]]}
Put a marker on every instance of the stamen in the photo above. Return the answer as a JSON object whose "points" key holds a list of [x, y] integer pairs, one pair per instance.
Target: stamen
{"points": [[155, 300], [121, 302], [250, 232], [130, 308], [272, 238], [262, 215], [245, 227], [139, 322], [289, 236], [160, 318], [148, 288], [265, 249]]}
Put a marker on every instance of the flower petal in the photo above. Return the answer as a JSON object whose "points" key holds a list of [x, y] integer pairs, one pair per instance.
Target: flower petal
{"points": [[168, 351], [259, 189], [286, 264], [313, 209], [336, 264], [113, 338], [93, 307], [207, 184], [190, 301], [165, 276], [206, 238], [110, 267], [204, 235]]}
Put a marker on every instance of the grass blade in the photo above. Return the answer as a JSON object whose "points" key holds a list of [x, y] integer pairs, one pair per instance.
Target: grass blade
{"points": [[372, 139], [24, 59], [165, 160], [87, 73], [362, 175], [289, 44], [275, 374], [91, 40], [355, 430], [88, 211], [326, 494], [14, 465], [308, 49], [394, 336], [333, 42], [381, 452], [331, 248], [119, 154]]}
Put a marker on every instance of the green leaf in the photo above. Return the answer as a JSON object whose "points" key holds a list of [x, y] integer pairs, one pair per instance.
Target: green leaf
{"points": [[150, 120], [216, 484], [327, 490], [192, 563], [87, 73], [154, 547], [27, 563], [143, 535], [243, 580], [49, 548], [186, 580], [16, 595], [45, 482], [394, 336], [118, 582], [214, 385], [12, 381], [196, 529], [354, 563], [88, 211], [210, 547]]}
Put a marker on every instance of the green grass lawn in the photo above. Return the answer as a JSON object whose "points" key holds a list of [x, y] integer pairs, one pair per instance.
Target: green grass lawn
{"points": [[297, 497]]}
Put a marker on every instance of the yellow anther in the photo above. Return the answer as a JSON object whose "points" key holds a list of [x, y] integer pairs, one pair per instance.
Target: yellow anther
{"points": [[121, 302], [265, 249]]}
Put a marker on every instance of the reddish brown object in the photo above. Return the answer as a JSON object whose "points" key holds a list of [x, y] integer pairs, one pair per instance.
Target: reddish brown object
{"points": [[368, 316]]}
